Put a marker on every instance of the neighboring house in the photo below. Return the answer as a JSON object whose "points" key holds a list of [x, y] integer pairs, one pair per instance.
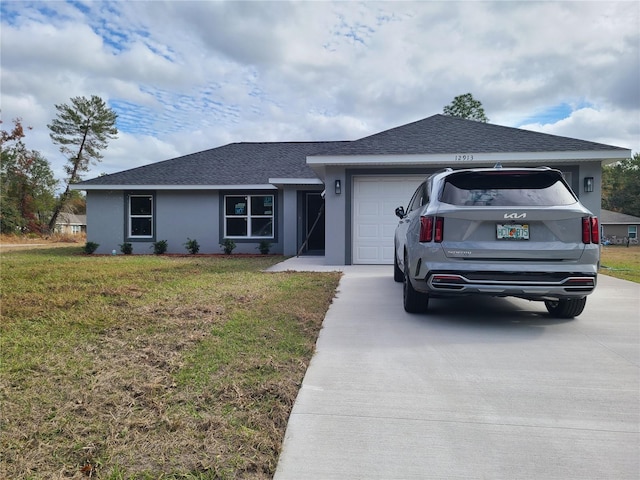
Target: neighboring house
{"points": [[250, 192], [619, 228], [71, 224]]}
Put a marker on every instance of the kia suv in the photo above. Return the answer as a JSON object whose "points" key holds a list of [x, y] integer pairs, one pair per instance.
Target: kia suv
{"points": [[502, 232]]}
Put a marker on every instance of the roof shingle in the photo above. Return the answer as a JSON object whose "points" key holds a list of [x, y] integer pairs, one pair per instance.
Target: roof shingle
{"points": [[233, 164], [440, 134]]}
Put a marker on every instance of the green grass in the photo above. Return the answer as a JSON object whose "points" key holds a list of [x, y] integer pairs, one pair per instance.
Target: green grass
{"points": [[621, 262], [122, 367]]}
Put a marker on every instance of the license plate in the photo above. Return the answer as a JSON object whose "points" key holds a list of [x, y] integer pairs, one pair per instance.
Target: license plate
{"points": [[513, 232]]}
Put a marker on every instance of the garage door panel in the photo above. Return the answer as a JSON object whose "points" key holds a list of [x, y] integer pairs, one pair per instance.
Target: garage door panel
{"points": [[369, 208], [368, 188], [375, 199], [368, 254], [387, 254], [368, 232], [388, 230]]}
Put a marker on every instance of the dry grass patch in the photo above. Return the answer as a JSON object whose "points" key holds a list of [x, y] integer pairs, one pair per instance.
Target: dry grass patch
{"points": [[31, 241], [151, 367]]}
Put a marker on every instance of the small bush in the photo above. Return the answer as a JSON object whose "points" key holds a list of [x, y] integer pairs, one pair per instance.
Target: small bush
{"points": [[90, 247], [264, 246], [227, 246], [126, 248], [192, 246], [160, 247]]}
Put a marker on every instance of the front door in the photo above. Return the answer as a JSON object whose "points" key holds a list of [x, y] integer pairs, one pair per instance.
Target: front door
{"points": [[313, 228]]}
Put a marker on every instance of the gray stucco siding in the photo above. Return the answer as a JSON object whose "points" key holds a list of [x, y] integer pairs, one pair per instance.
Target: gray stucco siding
{"points": [[199, 215], [591, 200], [105, 213], [182, 215]]}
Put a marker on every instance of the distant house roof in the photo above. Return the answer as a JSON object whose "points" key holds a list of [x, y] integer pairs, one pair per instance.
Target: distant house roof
{"points": [[607, 217], [259, 164], [71, 219]]}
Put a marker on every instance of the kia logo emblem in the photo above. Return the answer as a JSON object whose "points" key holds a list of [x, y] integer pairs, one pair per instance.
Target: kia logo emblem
{"points": [[515, 215]]}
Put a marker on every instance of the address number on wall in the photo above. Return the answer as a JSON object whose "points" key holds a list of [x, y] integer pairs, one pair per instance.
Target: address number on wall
{"points": [[463, 157]]}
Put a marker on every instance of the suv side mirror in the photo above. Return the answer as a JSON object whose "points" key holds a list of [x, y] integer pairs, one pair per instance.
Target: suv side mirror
{"points": [[400, 212]]}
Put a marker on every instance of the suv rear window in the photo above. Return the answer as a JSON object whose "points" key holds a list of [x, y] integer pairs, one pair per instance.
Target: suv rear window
{"points": [[501, 189]]}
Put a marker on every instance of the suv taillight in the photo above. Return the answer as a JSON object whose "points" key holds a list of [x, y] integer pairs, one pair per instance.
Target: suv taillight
{"points": [[595, 230], [590, 230], [427, 231]]}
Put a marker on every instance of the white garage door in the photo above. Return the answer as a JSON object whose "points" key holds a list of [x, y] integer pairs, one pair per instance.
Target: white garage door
{"points": [[375, 199]]}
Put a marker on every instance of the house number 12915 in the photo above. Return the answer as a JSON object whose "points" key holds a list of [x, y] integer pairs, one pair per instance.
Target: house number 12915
{"points": [[463, 157]]}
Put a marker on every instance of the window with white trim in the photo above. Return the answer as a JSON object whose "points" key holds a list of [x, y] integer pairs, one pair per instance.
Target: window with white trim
{"points": [[140, 216], [632, 231], [248, 216]]}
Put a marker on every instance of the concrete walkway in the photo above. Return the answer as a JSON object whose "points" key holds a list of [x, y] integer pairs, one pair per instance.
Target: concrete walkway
{"points": [[476, 388]]}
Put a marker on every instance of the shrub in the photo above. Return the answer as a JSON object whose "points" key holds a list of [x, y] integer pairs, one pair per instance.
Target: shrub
{"points": [[126, 248], [160, 247], [90, 247], [264, 246], [228, 245], [192, 246]]}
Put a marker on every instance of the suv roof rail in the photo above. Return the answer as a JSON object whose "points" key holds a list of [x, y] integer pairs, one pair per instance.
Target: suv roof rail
{"points": [[438, 172]]}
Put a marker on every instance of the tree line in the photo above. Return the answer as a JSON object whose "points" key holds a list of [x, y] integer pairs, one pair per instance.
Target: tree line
{"points": [[621, 186], [28, 200]]}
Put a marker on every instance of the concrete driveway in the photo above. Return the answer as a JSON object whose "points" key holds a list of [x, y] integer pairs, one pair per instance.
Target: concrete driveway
{"points": [[476, 388]]}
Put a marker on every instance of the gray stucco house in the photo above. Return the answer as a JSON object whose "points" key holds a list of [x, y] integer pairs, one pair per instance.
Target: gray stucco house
{"points": [[250, 192]]}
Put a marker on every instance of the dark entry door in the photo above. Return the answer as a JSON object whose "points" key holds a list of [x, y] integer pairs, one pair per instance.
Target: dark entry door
{"points": [[313, 206]]}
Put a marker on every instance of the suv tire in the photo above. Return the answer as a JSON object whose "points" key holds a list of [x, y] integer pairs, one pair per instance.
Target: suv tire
{"points": [[398, 276], [414, 301], [566, 308]]}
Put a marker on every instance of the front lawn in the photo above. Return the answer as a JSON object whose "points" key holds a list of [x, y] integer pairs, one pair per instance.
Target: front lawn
{"points": [[119, 367], [621, 262]]}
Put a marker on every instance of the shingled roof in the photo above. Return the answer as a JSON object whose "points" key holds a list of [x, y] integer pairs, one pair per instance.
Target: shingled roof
{"points": [[440, 134], [232, 164], [608, 217], [256, 163]]}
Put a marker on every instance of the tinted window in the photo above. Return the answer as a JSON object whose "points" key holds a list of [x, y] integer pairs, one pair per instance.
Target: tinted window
{"points": [[506, 189], [419, 198]]}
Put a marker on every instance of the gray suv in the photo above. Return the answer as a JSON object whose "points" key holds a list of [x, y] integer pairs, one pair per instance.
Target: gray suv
{"points": [[503, 232]]}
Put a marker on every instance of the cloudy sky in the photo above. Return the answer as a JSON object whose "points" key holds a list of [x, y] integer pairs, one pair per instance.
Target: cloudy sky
{"points": [[186, 76]]}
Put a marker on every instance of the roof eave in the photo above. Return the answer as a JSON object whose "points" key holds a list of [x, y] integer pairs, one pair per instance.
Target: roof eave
{"points": [[80, 186], [295, 181], [317, 162]]}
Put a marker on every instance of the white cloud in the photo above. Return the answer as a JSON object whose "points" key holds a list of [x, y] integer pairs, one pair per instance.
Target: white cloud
{"points": [[609, 126], [185, 76]]}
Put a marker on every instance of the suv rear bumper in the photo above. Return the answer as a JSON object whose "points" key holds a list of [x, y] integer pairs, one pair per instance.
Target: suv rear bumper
{"points": [[531, 285]]}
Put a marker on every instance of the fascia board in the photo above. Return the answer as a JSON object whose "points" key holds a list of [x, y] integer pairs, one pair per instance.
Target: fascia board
{"points": [[295, 181], [174, 187], [470, 158]]}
